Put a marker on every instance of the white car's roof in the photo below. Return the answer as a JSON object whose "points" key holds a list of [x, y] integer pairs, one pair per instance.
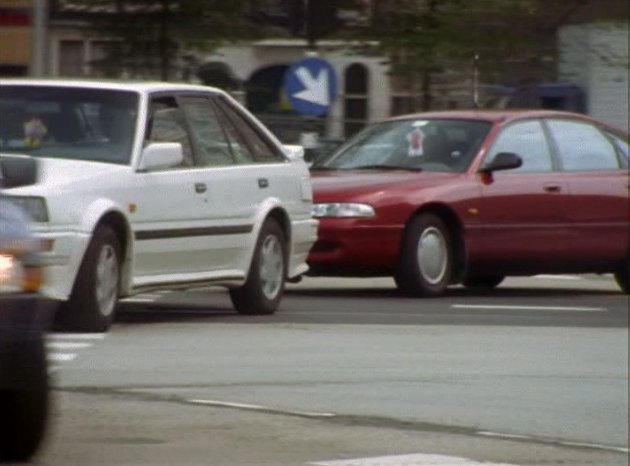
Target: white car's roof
{"points": [[137, 86]]}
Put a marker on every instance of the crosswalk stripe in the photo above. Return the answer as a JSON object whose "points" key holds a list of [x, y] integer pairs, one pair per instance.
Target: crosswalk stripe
{"points": [[61, 357], [75, 336], [66, 345], [63, 347], [419, 459]]}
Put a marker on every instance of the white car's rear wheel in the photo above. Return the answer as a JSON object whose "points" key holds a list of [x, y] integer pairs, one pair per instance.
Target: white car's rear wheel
{"points": [[264, 287]]}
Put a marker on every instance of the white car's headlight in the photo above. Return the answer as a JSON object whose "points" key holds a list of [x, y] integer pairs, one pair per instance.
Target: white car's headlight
{"points": [[35, 207], [15, 277], [342, 209]]}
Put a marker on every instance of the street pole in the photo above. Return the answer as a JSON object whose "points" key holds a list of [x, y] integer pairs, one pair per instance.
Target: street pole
{"points": [[310, 27], [39, 42]]}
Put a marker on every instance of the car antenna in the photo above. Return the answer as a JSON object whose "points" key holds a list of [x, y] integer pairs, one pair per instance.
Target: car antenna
{"points": [[475, 81]]}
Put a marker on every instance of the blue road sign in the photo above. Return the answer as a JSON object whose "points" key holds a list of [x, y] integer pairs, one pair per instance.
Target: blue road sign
{"points": [[311, 86]]}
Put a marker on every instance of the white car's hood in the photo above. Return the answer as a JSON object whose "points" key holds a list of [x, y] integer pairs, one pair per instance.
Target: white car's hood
{"points": [[53, 174]]}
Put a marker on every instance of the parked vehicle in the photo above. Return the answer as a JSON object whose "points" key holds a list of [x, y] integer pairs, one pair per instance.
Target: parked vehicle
{"points": [[472, 197], [24, 315], [154, 185]]}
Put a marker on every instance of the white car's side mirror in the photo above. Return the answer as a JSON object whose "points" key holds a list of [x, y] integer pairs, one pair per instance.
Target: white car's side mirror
{"points": [[160, 155]]}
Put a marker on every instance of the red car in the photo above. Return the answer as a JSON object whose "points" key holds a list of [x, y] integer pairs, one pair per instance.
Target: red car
{"points": [[471, 197]]}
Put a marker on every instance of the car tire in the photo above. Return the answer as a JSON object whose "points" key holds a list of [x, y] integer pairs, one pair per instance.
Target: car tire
{"points": [[426, 262], [265, 282], [622, 276], [25, 409], [92, 304], [486, 282]]}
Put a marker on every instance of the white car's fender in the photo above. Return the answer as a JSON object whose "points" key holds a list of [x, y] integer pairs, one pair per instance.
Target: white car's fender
{"points": [[266, 207], [93, 215]]}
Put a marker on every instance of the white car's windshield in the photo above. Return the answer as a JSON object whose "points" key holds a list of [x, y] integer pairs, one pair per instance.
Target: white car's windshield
{"points": [[445, 145], [69, 123]]}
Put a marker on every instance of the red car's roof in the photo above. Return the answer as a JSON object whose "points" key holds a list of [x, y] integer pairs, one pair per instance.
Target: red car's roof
{"points": [[490, 115]]}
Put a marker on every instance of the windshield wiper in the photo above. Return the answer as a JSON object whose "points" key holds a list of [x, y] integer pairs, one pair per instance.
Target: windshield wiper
{"points": [[386, 167]]}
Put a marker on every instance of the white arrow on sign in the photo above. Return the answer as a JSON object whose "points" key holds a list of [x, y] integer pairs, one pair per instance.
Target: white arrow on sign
{"points": [[315, 88]]}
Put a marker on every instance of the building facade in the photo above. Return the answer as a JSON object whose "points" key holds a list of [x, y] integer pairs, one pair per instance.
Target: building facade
{"points": [[595, 57], [16, 20]]}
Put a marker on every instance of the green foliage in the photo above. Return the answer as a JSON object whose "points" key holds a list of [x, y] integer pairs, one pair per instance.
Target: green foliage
{"points": [[154, 33], [515, 40]]}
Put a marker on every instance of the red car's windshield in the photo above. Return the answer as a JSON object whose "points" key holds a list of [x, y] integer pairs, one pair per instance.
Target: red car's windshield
{"points": [[443, 145]]}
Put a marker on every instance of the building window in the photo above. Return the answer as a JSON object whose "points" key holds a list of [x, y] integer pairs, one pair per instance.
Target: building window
{"points": [[355, 99], [71, 58]]}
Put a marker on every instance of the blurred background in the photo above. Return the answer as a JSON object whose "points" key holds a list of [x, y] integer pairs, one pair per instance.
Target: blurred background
{"points": [[389, 56]]}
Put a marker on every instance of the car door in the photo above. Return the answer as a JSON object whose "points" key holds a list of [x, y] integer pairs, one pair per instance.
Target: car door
{"points": [[596, 174], [277, 179], [228, 185], [522, 210], [167, 220]]}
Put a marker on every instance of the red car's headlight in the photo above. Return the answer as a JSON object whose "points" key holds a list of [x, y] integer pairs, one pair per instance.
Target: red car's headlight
{"points": [[342, 209]]}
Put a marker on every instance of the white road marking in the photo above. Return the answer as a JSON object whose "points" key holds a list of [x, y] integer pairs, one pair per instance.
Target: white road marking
{"points": [[529, 308], [226, 404], [419, 459], [66, 345], [558, 277], [75, 336], [61, 357], [60, 346], [560, 442]]}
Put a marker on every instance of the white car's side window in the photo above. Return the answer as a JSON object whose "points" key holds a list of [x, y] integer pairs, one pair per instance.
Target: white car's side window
{"points": [[212, 147], [166, 124], [261, 150]]}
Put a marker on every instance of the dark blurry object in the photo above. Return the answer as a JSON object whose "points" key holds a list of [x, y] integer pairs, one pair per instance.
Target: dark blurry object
{"points": [[24, 389], [16, 170]]}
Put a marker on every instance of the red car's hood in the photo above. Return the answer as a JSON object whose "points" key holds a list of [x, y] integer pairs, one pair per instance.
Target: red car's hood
{"points": [[346, 185]]}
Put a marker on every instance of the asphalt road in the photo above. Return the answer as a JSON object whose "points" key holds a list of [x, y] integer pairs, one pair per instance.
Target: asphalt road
{"points": [[535, 372]]}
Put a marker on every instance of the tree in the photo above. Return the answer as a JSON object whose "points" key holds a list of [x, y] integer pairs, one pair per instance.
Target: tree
{"points": [[514, 40], [153, 34]]}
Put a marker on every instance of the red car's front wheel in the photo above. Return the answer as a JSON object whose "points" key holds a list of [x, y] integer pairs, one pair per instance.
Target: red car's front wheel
{"points": [[426, 263]]}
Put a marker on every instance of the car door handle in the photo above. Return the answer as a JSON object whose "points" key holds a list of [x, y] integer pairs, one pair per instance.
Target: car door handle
{"points": [[263, 182], [552, 188], [200, 188]]}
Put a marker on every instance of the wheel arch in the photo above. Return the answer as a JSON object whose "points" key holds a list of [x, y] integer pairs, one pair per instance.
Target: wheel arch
{"points": [[121, 228], [271, 209], [455, 228], [280, 215]]}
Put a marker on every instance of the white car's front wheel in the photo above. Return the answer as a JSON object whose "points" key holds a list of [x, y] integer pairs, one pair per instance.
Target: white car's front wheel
{"points": [[94, 297], [263, 289]]}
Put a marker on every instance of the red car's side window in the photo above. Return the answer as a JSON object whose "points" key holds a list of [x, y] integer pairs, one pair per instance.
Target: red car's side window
{"points": [[582, 147], [526, 139]]}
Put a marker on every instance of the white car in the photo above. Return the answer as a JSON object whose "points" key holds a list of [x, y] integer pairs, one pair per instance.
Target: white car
{"points": [[153, 185]]}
